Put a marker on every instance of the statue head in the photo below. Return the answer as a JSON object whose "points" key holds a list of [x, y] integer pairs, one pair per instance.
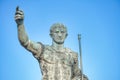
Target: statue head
{"points": [[58, 33]]}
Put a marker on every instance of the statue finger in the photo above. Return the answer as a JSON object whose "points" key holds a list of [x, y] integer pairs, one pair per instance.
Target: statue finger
{"points": [[19, 17], [17, 8], [19, 12]]}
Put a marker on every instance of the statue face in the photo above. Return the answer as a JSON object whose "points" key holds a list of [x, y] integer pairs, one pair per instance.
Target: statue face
{"points": [[59, 34]]}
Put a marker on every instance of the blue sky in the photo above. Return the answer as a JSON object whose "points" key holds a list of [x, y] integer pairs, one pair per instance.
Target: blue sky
{"points": [[98, 21]]}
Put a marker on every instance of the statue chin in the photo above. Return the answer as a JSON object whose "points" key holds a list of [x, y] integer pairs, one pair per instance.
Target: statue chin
{"points": [[59, 42]]}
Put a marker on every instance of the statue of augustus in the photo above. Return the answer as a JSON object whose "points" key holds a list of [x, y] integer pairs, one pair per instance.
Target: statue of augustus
{"points": [[56, 62]]}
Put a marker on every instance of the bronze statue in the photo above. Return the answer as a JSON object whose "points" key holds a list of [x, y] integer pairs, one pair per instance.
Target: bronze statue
{"points": [[56, 61]]}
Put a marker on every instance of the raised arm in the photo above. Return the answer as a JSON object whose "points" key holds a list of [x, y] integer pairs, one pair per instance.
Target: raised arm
{"points": [[22, 36], [34, 47]]}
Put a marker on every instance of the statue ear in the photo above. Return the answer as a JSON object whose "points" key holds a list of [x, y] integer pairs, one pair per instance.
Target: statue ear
{"points": [[50, 35], [66, 34]]}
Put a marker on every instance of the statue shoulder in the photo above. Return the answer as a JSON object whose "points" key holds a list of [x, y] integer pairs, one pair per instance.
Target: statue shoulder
{"points": [[72, 53], [48, 47]]}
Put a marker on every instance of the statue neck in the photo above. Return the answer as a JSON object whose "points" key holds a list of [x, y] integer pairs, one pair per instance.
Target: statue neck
{"points": [[58, 47]]}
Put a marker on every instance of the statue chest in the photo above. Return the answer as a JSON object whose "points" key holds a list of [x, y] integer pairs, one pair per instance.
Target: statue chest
{"points": [[56, 65], [54, 57]]}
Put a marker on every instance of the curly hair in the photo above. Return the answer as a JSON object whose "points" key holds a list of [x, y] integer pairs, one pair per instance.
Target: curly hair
{"points": [[57, 25]]}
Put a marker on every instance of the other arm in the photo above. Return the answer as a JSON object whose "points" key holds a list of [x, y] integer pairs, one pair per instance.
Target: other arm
{"points": [[76, 71]]}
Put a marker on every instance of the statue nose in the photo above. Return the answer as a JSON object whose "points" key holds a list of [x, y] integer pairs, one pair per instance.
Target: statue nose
{"points": [[59, 34]]}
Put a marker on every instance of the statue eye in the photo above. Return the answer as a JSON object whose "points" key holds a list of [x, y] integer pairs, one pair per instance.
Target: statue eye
{"points": [[62, 32], [56, 31]]}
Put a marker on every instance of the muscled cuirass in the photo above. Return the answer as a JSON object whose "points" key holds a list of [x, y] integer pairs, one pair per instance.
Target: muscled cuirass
{"points": [[56, 65]]}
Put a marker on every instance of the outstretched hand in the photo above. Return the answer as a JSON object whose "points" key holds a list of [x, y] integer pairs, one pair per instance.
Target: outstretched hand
{"points": [[19, 16]]}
